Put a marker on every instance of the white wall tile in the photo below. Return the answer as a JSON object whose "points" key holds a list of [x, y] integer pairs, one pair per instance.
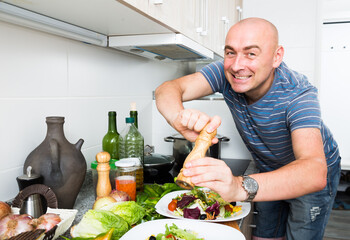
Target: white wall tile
{"points": [[32, 63], [44, 75]]}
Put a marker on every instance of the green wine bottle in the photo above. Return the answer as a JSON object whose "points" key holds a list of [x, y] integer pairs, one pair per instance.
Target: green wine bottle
{"points": [[133, 113], [110, 142]]}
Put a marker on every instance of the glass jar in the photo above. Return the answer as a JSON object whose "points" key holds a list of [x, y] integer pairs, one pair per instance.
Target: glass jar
{"points": [[139, 172], [125, 177], [112, 172]]}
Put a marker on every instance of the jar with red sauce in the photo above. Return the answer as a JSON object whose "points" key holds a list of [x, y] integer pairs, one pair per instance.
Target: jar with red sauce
{"points": [[125, 179]]}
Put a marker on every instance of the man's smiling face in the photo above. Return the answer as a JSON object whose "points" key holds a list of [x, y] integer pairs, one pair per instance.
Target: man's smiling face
{"points": [[251, 55]]}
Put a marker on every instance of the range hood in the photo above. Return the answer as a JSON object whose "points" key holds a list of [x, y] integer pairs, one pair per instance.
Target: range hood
{"points": [[164, 47]]}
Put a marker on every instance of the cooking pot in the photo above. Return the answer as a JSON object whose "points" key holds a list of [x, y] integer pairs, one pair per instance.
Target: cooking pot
{"points": [[182, 147], [155, 164]]}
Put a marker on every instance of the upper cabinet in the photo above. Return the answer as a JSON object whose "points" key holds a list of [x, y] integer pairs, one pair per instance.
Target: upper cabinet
{"points": [[108, 17], [204, 21]]}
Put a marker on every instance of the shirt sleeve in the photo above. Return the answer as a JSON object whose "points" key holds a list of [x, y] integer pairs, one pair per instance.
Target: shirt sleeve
{"points": [[214, 73], [304, 111]]}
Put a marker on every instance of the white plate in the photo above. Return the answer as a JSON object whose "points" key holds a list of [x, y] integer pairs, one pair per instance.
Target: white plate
{"points": [[206, 230], [162, 208]]}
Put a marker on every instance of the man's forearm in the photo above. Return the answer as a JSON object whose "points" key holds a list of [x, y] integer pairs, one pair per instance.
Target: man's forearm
{"points": [[293, 180], [169, 101]]}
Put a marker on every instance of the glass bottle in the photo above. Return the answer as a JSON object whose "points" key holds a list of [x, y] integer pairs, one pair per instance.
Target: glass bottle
{"points": [[133, 113], [131, 145], [110, 142]]}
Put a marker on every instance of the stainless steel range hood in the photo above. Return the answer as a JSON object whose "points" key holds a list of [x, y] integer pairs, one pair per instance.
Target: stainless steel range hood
{"points": [[164, 47]]}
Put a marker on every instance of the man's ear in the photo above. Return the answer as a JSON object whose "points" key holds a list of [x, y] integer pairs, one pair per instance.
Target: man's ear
{"points": [[278, 57]]}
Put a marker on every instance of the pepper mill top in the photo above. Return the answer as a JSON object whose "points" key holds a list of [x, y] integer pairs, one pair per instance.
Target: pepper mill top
{"points": [[103, 157], [103, 187]]}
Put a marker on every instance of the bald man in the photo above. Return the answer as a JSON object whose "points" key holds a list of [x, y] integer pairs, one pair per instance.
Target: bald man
{"points": [[277, 114]]}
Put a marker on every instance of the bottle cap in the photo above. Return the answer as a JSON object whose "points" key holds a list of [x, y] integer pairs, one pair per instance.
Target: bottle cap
{"points": [[129, 120], [112, 113]]}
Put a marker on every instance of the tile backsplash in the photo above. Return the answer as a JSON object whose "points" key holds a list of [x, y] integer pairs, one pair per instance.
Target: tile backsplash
{"points": [[45, 75]]}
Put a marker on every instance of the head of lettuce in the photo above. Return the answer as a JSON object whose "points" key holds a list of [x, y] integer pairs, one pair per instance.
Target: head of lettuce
{"points": [[95, 222]]}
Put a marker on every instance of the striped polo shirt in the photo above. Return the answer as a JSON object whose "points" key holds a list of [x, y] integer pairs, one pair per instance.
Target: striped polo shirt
{"points": [[266, 125]]}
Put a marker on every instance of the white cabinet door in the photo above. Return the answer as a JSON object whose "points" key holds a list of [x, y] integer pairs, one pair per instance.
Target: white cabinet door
{"points": [[221, 15], [204, 21], [108, 17], [335, 85], [220, 22]]}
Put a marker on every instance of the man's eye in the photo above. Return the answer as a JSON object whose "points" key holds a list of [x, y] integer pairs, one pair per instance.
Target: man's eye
{"points": [[251, 54]]}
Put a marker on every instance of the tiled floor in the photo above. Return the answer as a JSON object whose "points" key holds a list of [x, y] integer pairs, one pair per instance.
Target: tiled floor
{"points": [[339, 222]]}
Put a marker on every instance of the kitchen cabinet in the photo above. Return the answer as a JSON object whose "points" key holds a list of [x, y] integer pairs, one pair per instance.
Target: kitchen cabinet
{"points": [[108, 17], [204, 21]]}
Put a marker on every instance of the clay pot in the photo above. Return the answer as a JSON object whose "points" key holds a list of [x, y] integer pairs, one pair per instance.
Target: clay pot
{"points": [[61, 163]]}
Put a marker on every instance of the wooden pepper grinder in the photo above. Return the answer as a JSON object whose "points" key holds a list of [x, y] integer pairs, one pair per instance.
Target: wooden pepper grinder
{"points": [[203, 142], [103, 187]]}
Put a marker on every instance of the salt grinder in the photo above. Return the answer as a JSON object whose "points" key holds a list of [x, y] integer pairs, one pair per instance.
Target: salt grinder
{"points": [[33, 204]]}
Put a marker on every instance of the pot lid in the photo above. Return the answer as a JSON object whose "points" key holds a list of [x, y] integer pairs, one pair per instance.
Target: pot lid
{"points": [[155, 159]]}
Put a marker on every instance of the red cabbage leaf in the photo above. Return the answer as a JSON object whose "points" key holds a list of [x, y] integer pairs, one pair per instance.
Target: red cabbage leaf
{"points": [[192, 213], [185, 200]]}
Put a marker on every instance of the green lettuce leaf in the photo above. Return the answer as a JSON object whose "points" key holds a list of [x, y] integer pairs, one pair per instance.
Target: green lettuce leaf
{"points": [[130, 211], [95, 222]]}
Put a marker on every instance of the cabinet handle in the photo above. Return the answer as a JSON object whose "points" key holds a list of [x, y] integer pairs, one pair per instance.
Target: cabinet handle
{"points": [[239, 10], [203, 18], [226, 24], [156, 2], [252, 226]]}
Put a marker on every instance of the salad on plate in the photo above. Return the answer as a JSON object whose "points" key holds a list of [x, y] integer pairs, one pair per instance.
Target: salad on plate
{"points": [[173, 232], [203, 204]]}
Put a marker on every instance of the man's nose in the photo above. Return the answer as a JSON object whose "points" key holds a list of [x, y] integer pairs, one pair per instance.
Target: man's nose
{"points": [[237, 63]]}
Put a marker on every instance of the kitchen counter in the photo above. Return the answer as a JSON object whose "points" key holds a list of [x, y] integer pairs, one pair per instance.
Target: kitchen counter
{"points": [[84, 201], [86, 198]]}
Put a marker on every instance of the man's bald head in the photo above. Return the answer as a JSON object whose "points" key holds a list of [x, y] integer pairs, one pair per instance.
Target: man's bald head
{"points": [[266, 29]]}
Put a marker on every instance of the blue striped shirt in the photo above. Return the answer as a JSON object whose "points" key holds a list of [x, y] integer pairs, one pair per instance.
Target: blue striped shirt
{"points": [[266, 125]]}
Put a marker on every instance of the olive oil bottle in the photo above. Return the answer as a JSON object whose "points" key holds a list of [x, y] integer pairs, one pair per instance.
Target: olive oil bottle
{"points": [[133, 114], [110, 142]]}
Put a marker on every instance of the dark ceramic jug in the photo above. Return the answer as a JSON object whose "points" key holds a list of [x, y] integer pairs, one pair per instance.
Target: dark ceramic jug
{"points": [[61, 163]]}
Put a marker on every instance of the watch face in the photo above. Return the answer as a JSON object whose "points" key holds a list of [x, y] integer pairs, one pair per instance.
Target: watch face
{"points": [[251, 185]]}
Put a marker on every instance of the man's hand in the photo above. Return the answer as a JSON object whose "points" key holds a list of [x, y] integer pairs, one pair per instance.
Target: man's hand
{"points": [[216, 175], [190, 122]]}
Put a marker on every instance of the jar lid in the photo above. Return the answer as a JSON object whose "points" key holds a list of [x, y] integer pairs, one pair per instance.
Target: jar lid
{"points": [[135, 160], [111, 164], [125, 163]]}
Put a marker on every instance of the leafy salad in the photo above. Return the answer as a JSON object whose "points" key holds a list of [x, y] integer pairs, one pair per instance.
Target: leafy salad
{"points": [[175, 233], [203, 204], [121, 216]]}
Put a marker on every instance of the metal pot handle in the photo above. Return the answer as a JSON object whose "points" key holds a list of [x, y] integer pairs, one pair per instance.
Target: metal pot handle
{"points": [[169, 139], [224, 139]]}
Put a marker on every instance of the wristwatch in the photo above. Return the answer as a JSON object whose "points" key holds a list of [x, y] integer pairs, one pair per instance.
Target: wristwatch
{"points": [[251, 186]]}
